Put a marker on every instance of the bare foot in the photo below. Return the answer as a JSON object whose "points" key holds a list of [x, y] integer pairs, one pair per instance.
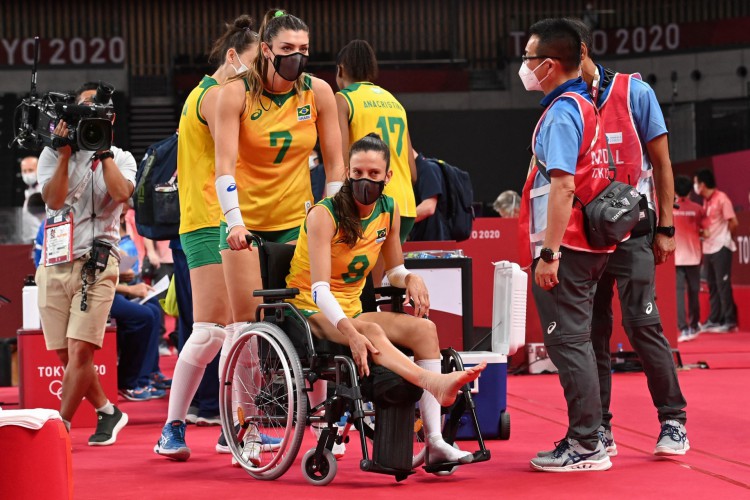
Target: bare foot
{"points": [[445, 387]]}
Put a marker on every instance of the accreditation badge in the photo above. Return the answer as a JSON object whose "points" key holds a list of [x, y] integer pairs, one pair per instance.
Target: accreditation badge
{"points": [[58, 239]]}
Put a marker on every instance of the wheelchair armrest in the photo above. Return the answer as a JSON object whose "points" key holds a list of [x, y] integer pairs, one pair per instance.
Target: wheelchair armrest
{"points": [[390, 291], [277, 293]]}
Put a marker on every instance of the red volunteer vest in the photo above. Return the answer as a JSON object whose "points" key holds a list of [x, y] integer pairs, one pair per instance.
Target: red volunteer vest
{"points": [[624, 142], [590, 179]]}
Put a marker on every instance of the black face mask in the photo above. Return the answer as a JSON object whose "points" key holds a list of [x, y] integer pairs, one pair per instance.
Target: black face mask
{"points": [[291, 66], [366, 191]]}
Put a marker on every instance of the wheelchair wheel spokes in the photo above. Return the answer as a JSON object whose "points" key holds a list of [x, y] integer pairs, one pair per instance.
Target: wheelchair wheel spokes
{"points": [[261, 394]]}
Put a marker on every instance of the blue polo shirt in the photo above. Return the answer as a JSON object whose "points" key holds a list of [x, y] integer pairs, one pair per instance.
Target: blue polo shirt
{"points": [[559, 138]]}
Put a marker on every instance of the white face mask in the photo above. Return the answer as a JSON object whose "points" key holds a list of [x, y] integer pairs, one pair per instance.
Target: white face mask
{"points": [[529, 79], [29, 178], [311, 161], [697, 189], [241, 69]]}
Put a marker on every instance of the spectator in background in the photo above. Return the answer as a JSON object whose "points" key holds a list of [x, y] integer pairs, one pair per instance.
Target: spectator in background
{"points": [[317, 175], [31, 215], [508, 204], [718, 246], [429, 189], [138, 331], [688, 219]]}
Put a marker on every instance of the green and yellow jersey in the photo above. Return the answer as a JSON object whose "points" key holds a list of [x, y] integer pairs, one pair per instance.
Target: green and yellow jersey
{"points": [[349, 266], [273, 177], [199, 205], [373, 109]]}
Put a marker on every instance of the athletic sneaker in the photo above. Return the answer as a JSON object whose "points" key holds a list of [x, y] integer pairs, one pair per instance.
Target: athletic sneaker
{"points": [[608, 441], [685, 335], [726, 328], [570, 456], [672, 439], [107, 427], [192, 415], [159, 381], [171, 443], [251, 447], [137, 394], [208, 421], [156, 393], [267, 443], [708, 326]]}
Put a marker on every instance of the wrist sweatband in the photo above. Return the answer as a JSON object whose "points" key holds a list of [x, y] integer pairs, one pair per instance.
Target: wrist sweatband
{"points": [[226, 190], [333, 188], [397, 276], [324, 299]]}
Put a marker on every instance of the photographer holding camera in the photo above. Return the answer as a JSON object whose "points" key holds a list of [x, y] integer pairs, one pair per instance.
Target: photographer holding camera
{"points": [[84, 191]]}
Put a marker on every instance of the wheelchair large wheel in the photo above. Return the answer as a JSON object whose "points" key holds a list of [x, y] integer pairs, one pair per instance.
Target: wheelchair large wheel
{"points": [[262, 393]]}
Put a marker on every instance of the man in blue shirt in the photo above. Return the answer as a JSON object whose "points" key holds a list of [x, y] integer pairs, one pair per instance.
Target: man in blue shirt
{"points": [[568, 149], [637, 133], [429, 190]]}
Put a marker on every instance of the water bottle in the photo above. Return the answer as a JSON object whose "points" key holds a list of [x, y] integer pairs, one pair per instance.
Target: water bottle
{"points": [[30, 300], [619, 357]]}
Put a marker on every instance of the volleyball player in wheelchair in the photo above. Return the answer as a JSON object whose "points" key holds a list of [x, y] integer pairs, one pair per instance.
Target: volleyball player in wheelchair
{"points": [[264, 379]]}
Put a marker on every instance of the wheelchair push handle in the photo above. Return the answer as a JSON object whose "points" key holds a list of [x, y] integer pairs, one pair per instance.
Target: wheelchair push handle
{"points": [[254, 238]]}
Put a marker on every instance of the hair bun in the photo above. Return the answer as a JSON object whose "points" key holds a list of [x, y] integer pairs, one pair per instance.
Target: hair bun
{"points": [[243, 22]]}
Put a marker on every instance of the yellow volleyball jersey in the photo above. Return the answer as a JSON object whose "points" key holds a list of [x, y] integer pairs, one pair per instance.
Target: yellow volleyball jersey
{"points": [[199, 205], [273, 177], [374, 109], [349, 266]]}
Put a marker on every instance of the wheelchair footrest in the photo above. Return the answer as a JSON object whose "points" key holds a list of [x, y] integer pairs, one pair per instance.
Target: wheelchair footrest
{"points": [[372, 466], [479, 456]]}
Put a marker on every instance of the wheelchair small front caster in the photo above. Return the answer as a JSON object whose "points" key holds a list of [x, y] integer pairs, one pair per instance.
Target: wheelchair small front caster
{"points": [[319, 471]]}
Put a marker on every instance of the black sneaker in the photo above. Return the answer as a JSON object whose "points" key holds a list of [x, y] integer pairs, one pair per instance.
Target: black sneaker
{"points": [[107, 428]]}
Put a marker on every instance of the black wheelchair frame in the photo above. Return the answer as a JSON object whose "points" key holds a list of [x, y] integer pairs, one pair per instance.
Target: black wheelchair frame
{"points": [[322, 360]]}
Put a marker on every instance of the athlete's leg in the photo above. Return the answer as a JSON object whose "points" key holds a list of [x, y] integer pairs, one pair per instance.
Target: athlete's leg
{"points": [[444, 387]]}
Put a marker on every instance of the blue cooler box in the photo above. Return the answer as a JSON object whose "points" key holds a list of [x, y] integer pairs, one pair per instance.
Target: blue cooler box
{"points": [[489, 394]]}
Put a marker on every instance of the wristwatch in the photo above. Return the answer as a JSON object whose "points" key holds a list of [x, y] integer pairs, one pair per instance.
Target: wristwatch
{"points": [[548, 255], [104, 155], [667, 231]]}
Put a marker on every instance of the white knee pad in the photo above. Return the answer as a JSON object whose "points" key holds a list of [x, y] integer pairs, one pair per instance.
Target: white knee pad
{"points": [[203, 345]]}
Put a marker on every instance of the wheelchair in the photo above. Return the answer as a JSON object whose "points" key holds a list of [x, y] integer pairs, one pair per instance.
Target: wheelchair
{"points": [[264, 386]]}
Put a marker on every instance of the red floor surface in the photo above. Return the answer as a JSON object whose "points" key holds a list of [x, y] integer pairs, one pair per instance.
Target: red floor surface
{"points": [[716, 466]]}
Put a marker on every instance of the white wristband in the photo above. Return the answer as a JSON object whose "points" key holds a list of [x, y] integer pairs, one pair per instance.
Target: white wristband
{"points": [[333, 187], [324, 299], [226, 190], [397, 276]]}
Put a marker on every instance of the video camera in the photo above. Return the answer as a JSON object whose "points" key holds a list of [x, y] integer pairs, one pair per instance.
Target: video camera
{"points": [[89, 126]]}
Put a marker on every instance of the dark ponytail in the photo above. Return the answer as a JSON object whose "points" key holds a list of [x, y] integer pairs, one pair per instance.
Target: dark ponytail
{"points": [[344, 207], [239, 35], [359, 61]]}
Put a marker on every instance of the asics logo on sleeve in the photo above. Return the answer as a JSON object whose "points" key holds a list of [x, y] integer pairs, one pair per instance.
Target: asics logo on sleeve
{"points": [[551, 327], [231, 187], [649, 308]]}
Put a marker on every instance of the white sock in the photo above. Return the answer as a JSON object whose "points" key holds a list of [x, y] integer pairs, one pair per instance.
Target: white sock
{"points": [[319, 393], [108, 408], [67, 424], [232, 330], [187, 376], [440, 451], [428, 405]]}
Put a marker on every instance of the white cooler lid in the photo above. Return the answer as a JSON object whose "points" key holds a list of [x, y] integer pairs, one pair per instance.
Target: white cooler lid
{"points": [[476, 357]]}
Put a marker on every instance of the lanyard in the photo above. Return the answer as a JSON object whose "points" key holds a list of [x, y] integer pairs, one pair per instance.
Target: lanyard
{"points": [[595, 86], [89, 175]]}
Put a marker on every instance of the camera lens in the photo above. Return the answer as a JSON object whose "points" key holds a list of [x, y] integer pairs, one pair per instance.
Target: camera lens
{"points": [[94, 134]]}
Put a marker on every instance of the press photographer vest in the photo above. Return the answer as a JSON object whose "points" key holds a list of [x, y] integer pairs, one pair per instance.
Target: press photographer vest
{"points": [[590, 178]]}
